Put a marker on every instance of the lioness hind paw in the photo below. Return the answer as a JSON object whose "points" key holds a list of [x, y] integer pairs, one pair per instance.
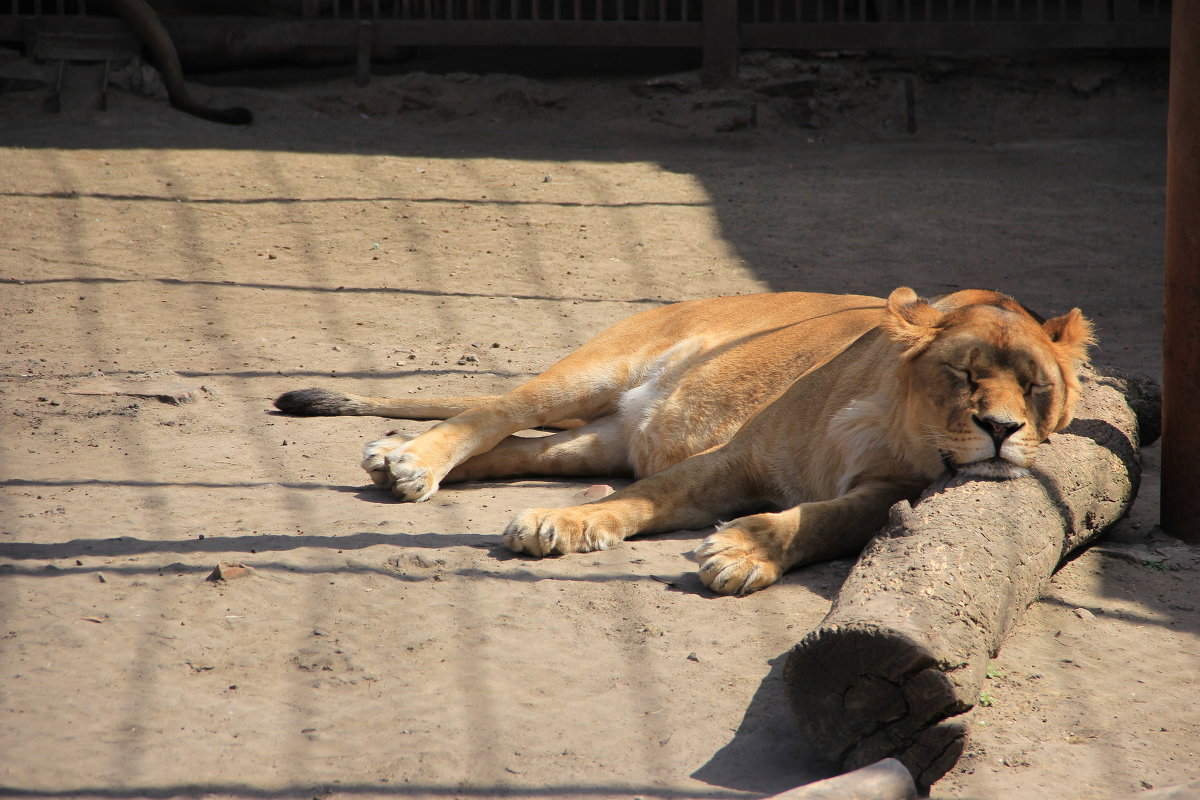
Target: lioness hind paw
{"points": [[391, 467], [374, 459], [409, 480]]}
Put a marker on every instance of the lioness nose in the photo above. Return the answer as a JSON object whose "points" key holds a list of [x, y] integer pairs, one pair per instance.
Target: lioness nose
{"points": [[999, 430]]}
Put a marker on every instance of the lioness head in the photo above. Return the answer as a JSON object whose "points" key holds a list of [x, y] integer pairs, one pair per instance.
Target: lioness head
{"points": [[986, 381]]}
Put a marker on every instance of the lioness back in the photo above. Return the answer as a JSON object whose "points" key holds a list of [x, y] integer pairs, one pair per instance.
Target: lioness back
{"points": [[724, 359]]}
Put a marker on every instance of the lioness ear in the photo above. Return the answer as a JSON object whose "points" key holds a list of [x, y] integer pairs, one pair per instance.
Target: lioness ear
{"points": [[1072, 334], [910, 320]]}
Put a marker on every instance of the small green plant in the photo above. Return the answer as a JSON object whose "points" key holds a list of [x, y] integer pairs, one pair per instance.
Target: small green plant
{"points": [[985, 700], [1161, 566], [994, 672]]}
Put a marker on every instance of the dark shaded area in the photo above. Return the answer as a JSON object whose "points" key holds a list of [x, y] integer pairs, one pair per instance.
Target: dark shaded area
{"points": [[765, 755]]}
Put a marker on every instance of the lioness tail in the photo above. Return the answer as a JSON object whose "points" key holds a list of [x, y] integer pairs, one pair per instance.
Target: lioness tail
{"points": [[326, 403]]}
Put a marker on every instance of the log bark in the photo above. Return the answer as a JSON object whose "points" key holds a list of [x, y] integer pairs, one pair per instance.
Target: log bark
{"points": [[905, 647], [884, 780]]}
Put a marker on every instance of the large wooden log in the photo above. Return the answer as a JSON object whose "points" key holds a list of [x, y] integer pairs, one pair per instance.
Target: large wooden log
{"points": [[904, 649]]}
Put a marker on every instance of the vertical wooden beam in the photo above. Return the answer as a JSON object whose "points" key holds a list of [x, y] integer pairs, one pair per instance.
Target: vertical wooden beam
{"points": [[721, 43], [1093, 11], [1125, 10], [362, 67], [1181, 338]]}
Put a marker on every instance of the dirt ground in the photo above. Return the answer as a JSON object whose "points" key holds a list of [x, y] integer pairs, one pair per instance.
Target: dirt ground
{"points": [[456, 232]]}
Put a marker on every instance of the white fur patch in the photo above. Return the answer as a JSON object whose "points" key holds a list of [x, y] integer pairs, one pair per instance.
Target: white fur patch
{"points": [[637, 405], [872, 430], [650, 419], [859, 431], [994, 468]]}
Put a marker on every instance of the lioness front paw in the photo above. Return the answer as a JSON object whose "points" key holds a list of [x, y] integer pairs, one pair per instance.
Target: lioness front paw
{"points": [[390, 465], [734, 561], [542, 532]]}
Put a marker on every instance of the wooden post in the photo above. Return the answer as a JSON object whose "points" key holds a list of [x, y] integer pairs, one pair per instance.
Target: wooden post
{"points": [[722, 44], [362, 67], [1095, 11], [1181, 338]]}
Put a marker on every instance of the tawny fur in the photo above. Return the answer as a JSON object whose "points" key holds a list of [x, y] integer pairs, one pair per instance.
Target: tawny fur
{"points": [[816, 411]]}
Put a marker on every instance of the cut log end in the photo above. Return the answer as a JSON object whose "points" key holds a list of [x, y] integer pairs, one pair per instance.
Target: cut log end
{"points": [[862, 693]]}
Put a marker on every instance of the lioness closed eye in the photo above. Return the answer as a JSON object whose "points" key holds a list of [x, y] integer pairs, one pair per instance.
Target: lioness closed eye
{"points": [[812, 413]]}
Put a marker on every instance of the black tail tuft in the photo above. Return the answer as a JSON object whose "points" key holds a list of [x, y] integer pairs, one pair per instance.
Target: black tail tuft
{"points": [[312, 403]]}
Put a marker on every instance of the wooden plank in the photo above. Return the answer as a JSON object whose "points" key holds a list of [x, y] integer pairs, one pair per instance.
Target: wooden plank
{"points": [[259, 33], [722, 38], [956, 36]]}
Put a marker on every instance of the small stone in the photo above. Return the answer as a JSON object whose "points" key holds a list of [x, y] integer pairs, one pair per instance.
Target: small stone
{"points": [[693, 657], [1084, 614], [597, 491], [227, 571]]}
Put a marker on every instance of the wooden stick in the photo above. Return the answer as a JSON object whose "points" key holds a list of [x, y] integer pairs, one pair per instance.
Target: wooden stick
{"points": [[906, 645], [884, 780]]}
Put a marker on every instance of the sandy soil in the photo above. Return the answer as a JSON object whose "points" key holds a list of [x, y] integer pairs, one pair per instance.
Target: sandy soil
{"points": [[456, 233]]}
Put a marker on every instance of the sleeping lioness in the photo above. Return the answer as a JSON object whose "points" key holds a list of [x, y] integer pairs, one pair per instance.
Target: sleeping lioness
{"points": [[811, 413]]}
